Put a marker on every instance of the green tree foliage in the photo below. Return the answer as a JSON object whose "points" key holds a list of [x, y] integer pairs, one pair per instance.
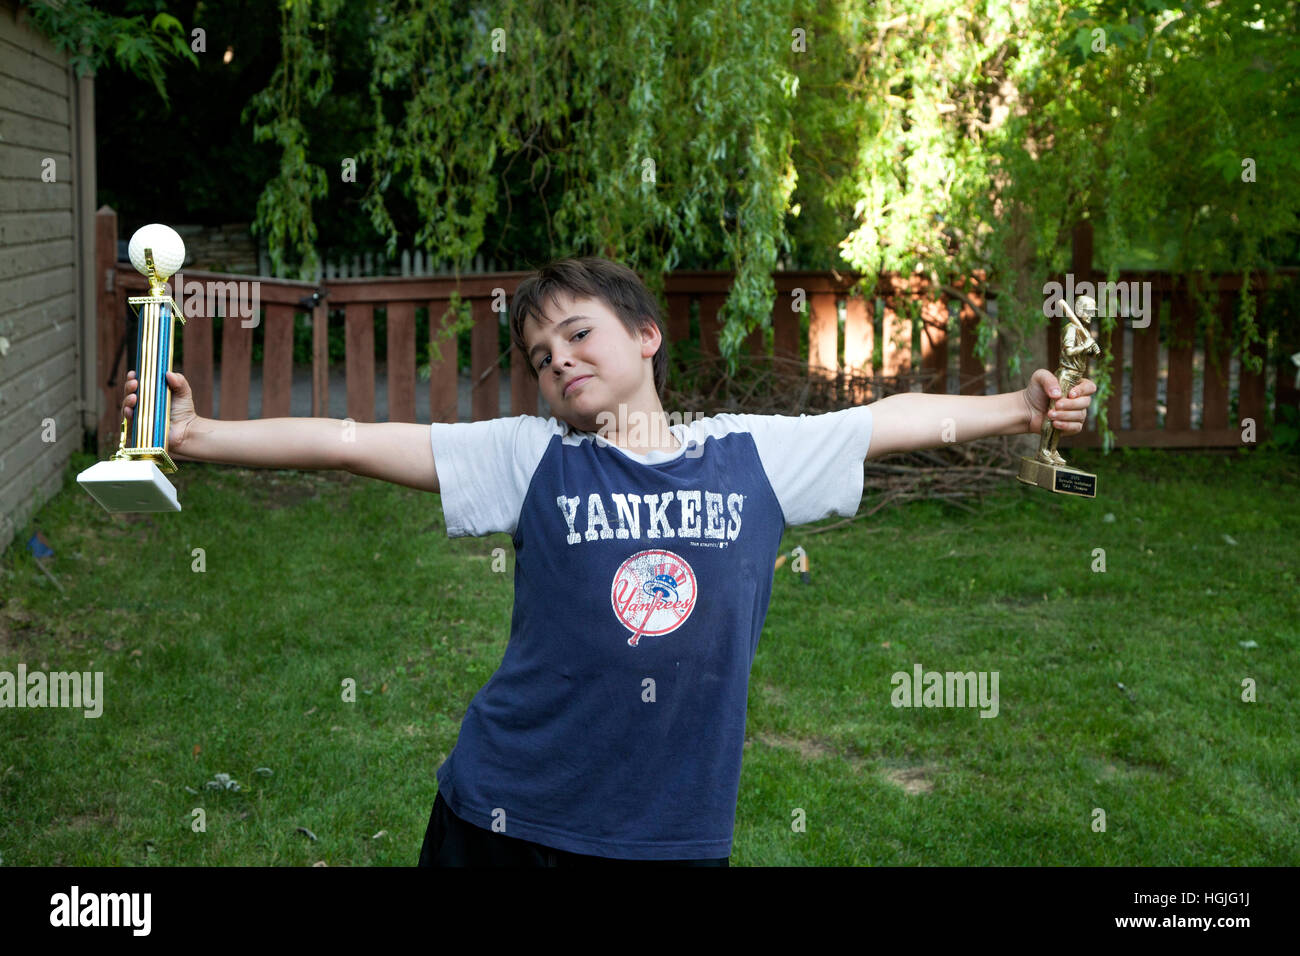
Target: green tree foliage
{"points": [[93, 38], [985, 129], [301, 81], [660, 136], [932, 136], [198, 161], [939, 136]]}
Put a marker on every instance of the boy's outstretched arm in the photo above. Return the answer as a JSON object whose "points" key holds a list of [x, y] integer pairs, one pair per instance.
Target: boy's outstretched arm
{"points": [[400, 452], [391, 451], [911, 421]]}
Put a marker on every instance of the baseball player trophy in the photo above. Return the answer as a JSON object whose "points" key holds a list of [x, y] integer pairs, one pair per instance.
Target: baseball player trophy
{"points": [[132, 480], [1047, 469]]}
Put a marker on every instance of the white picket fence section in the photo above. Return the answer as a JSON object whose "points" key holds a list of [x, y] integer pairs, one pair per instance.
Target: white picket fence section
{"points": [[409, 263]]}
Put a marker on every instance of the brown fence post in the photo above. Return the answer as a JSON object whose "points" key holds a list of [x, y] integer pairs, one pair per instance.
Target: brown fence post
{"points": [[110, 328], [320, 361], [895, 355], [785, 325], [1182, 347], [236, 363], [1146, 372], [444, 373], [1218, 357], [277, 360], [823, 335], [198, 358], [523, 387], [359, 356], [485, 402], [400, 364], [859, 346], [970, 368], [934, 340]]}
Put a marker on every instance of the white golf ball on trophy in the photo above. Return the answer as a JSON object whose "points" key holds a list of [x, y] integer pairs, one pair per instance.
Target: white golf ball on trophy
{"points": [[166, 245]]}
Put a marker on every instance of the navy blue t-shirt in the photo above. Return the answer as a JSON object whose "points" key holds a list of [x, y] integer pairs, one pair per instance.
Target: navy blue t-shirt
{"points": [[615, 724]]}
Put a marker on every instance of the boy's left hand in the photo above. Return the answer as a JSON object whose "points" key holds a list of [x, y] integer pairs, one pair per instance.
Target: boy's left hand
{"points": [[1071, 410]]}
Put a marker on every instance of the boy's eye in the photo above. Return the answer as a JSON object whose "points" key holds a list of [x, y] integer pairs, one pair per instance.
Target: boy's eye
{"points": [[547, 358]]}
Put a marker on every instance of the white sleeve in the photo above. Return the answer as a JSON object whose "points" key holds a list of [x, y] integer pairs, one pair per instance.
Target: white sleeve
{"points": [[484, 470], [814, 462]]}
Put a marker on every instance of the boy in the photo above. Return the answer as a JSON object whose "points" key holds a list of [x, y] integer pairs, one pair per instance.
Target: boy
{"points": [[614, 728]]}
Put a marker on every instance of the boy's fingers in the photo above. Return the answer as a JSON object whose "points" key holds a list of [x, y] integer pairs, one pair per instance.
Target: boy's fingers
{"points": [[1047, 382], [1077, 397], [1063, 413]]}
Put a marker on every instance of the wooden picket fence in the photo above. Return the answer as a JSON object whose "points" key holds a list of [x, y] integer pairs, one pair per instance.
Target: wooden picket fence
{"points": [[408, 262], [901, 304]]}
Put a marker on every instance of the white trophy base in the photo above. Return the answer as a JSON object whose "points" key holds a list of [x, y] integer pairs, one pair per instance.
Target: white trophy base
{"points": [[129, 486]]}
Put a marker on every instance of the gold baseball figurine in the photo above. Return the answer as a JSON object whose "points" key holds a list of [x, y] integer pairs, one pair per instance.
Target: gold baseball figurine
{"points": [[1047, 469]]}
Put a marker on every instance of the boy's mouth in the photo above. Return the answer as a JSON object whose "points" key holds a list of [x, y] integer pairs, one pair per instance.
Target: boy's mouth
{"points": [[575, 382]]}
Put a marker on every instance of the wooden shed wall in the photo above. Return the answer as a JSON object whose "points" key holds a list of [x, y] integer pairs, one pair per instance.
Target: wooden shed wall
{"points": [[46, 263]]}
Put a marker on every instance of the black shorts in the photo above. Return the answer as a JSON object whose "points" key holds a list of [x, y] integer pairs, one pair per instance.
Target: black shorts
{"points": [[450, 841]]}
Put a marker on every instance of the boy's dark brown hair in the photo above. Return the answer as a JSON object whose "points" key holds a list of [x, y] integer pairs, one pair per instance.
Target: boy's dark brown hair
{"points": [[592, 277]]}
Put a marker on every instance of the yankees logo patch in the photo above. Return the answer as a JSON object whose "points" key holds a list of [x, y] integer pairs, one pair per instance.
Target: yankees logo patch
{"points": [[653, 593]]}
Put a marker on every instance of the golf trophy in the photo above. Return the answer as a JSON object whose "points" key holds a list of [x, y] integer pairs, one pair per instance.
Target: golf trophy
{"points": [[132, 480], [1047, 469]]}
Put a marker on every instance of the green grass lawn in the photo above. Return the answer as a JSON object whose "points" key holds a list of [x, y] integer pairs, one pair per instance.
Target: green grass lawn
{"points": [[311, 578]]}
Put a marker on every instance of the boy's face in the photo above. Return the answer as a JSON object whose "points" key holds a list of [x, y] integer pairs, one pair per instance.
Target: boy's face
{"points": [[587, 361]]}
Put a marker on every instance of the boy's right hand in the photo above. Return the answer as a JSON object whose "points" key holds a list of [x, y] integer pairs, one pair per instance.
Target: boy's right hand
{"points": [[182, 407]]}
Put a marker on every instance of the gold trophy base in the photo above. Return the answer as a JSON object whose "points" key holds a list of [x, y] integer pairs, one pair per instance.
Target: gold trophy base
{"points": [[131, 484], [1061, 479], [158, 456]]}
